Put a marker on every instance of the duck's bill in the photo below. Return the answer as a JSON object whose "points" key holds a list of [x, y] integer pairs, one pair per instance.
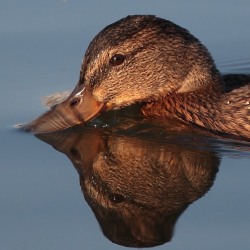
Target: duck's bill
{"points": [[76, 109]]}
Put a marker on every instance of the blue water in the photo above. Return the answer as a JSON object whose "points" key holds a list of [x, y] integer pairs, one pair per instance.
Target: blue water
{"points": [[41, 47]]}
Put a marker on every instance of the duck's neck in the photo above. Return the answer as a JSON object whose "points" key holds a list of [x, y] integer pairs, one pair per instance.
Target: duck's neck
{"points": [[200, 109]]}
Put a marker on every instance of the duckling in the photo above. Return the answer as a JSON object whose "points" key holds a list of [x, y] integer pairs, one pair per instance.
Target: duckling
{"points": [[151, 61]]}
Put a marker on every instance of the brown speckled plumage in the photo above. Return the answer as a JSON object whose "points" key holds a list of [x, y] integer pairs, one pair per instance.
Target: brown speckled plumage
{"points": [[164, 68], [224, 113]]}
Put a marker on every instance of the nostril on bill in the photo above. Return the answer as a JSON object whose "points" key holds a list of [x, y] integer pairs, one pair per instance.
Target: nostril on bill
{"points": [[74, 102]]}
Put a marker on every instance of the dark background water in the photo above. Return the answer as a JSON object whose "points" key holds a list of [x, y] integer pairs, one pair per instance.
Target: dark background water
{"points": [[42, 45]]}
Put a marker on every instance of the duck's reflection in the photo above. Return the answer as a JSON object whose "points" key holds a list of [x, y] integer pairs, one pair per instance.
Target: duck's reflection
{"points": [[137, 188]]}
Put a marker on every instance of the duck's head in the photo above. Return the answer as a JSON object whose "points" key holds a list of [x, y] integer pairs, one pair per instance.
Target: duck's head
{"points": [[134, 60]]}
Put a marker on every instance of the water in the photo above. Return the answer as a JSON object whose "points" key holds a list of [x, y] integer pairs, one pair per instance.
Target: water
{"points": [[41, 50]]}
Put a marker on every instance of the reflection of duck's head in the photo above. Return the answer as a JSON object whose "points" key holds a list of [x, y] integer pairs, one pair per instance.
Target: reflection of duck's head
{"points": [[147, 60], [137, 188]]}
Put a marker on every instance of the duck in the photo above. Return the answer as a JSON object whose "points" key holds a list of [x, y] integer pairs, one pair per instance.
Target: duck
{"points": [[152, 62]]}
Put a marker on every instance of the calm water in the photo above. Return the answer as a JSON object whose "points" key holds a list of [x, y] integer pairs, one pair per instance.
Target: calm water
{"points": [[42, 205]]}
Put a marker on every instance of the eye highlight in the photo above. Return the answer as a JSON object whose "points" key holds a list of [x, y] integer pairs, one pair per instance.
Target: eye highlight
{"points": [[116, 198], [117, 59]]}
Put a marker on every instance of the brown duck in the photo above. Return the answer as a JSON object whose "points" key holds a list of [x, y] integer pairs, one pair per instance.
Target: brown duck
{"points": [[151, 61]]}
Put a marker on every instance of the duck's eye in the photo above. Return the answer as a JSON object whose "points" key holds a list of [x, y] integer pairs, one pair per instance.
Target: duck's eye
{"points": [[116, 198], [74, 102], [117, 59]]}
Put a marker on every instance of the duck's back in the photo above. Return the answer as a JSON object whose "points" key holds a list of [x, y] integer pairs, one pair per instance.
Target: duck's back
{"points": [[235, 105], [226, 113]]}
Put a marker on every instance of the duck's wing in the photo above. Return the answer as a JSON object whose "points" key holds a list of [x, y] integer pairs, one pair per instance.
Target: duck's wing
{"points": [[235, 111]]}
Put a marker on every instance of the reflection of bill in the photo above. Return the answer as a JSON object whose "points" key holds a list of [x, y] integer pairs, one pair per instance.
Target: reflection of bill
{"points": [[136, 188]]}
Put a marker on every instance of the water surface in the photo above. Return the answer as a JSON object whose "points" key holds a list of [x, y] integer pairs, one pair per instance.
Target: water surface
{"points": [[42, 45]]}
